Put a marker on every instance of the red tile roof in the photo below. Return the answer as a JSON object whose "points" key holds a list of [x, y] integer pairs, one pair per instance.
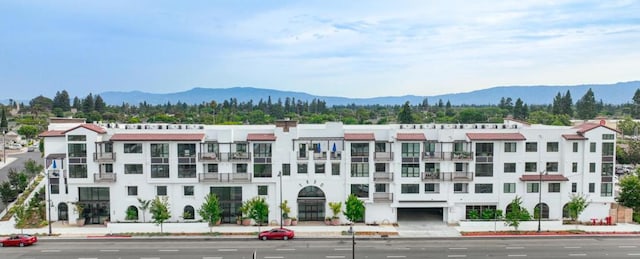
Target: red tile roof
{"points": [[359, 137], [157, 137], [495, 136], [411, 136], [261, 137], [52, 133], [573, 137], [545, 177], [89, 126], [582, 128]]}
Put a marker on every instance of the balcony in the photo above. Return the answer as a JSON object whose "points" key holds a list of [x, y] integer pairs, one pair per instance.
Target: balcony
{"points": [[209, 177], [236, 177], [319, 155], [460, 176], [462, 156], [337, 155], [447, 176], [56, 173], [236, 156], [208, 157], [104, 177], [104, 157], [433, 156], [383, 156], [431, 176], [382, 177], [382, 197]]}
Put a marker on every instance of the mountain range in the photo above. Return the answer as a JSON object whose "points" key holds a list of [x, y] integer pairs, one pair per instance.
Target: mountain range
{"points": [[618, 93]]}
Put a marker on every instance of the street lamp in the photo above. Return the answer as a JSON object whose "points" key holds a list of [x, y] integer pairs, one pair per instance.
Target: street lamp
{"points": [[540, 199], [49, 196], [353, 242], [281, 216]]}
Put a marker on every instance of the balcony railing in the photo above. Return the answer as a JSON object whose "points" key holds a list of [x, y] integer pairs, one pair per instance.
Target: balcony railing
{"points": [[382, 197], [447, 176], [431, 176], [383, 156], [320, 156], [104, 157], [335, 155], [382, 176], [104, 177], [213, 157], [433, 156], [225, 177], [57, 173], [236, 156], [209, 177], [461, 156]]}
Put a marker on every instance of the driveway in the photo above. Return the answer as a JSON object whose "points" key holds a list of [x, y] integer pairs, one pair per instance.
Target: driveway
{"points": [[421, 224]]}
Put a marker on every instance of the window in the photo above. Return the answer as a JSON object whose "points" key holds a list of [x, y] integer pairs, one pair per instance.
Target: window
{"points": [[360, 170], [432, 167], [575, 147], [608, 136], [263, 190], [592, 147], [161, 190], [55, 188], [531, 147], [592, 167], [606, 189], [186, 150], [552, 167], [242, 168], [410, 149], [262, 149], [607, 149], [211, 168], [132, 190], [160, 150], [77, 138], [319, 168], [410, 170], [410, 188], [186, 171], [484, 188], [188, 190], [574, 187], [510, 147], [431, 188], [460, 187], [380, 167], [574, 167], [509, 187], [188, 212], [302, 168], [607, 169], [159, 171], [531, 167], [509, 167], [77, 150], [286, 169], [484, 170], [554, 187], [360, 190], [533, 187], [381, 187], [335, 169], [552, 146], [484, 149], [262, 170], [359, 149], [133, 169], [474, 211], [241, 147], [380, 147], [132, 148], [78, 171], [592, 187]]}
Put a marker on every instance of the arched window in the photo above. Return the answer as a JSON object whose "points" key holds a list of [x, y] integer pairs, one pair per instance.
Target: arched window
{"points": [[189, 212], [545, 211], [565, 211], [63, 211], [132, 213]]}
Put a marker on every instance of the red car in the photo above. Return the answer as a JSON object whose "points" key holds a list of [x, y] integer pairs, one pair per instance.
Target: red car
{"points": [[19, 240], [276, 233]]}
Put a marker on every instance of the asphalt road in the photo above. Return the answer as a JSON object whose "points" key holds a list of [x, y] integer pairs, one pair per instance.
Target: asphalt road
{"points": [[618, 247], [18, 164]]}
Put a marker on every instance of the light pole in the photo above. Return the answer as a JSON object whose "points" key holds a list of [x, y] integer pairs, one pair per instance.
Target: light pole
{"points": [[281, 216], [540, 200], [49, 197], [353, 242]]}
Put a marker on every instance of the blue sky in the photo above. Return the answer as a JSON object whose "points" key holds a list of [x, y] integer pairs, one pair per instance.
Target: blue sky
{"points": [[330, 48]]}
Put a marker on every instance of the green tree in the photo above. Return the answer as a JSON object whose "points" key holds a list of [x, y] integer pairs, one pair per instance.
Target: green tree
{"points": [[284, 206], [629, 195], [99, 105], [336, 207], [31, 167], [7, 192], [405, 116], [577, 204], [210, 209], [586, 107], [160, 211], [21, 215], [258, 210], [29, 131], [516, 214], [61, 101], [4, 125], [636, 103], [354, 209], [144, 206]]}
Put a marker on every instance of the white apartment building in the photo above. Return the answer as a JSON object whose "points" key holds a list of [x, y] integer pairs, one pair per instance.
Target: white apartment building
{"points": [[397, 170]]}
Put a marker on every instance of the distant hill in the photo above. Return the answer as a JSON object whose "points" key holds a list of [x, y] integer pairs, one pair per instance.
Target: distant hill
{"points": [[618, 93]]}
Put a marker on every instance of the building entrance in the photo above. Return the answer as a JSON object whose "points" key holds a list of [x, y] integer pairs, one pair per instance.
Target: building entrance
{"points": [[311, 204]]}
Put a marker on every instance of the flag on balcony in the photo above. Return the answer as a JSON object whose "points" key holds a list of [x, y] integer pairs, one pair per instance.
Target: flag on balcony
{"points": [[54, 164], [318, 148], [333, 148]]}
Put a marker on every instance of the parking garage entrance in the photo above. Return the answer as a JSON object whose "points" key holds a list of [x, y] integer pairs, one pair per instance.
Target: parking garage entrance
{"points": [[421, 214], [311, 203]]}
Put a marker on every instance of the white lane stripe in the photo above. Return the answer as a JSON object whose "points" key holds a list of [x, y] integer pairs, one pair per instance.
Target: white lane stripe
{"points": [[50, 251], [209, 257], [273, 257], [227, 250], [457, 248], [456, 256], [577, 254], [285, 249], [342, 249], [403, 248], [87, 258], [149, 257], [514, 247], [168, 250], [516, 255], [627, 246], [396, 256], [633, 254], [109, 250], [335, 256], [572, 247]]}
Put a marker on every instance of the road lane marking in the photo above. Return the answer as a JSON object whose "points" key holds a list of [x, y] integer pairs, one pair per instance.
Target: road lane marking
{"points": [[273, 257], [227, 250], [572, 247], [514, 247], [577, 254], [109, 250], [402, 248], [396, 256], [334, 256], [87, 258], [456, 256], [168, 250], [633, 254], [457, 248], [342, 249], [149, 257], [627, 246], [285, 249], [209, 257], [50, 251], [516, 255]]}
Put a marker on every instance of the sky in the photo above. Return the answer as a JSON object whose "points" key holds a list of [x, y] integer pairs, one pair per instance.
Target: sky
{"points": [[329, 48]]}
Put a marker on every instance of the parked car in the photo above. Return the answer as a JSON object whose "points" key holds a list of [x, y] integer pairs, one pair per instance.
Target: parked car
{"points": [[276, 233], [19, 240], [31, 149]]}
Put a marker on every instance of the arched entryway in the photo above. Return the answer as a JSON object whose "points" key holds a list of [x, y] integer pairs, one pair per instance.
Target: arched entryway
{"points": [[63, 211], [311, 203], [545, 211]]}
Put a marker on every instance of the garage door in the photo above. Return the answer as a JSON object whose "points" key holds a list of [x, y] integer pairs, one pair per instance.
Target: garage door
{"points": [[420, 214]]}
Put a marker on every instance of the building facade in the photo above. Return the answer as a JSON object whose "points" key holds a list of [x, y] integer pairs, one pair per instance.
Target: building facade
{"points": [[454, 170]]}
